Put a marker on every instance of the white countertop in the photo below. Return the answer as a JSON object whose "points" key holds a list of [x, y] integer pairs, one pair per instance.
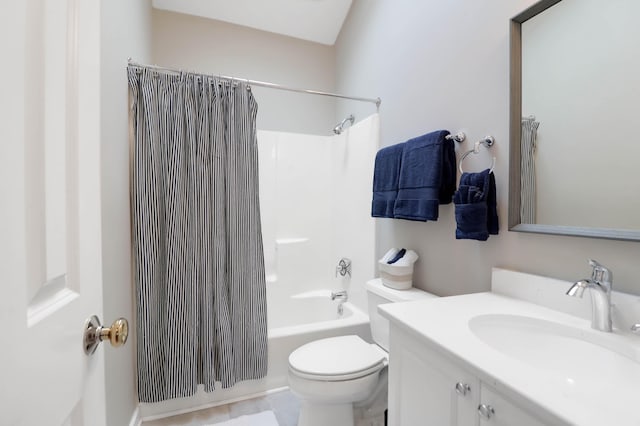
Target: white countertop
{"points": [[443, 323]]}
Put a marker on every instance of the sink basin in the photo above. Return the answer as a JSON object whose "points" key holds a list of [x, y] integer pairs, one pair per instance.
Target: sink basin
{"points": [[575, 356]]}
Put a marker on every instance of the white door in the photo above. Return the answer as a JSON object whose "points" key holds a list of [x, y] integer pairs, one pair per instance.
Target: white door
{"points": [[50, 260]]}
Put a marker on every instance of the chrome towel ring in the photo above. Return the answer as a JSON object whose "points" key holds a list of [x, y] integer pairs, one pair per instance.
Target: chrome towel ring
{"points": [[488, 141]]}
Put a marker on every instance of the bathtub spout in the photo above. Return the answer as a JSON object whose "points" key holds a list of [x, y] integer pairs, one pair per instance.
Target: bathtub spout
{"points": [[342, 296]]}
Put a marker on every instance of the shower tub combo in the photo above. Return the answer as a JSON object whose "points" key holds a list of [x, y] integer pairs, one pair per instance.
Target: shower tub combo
{"points": [[304, 237]]}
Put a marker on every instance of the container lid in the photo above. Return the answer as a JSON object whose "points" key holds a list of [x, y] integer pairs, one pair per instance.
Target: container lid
{"points": [[393, 295], [337, 358]]}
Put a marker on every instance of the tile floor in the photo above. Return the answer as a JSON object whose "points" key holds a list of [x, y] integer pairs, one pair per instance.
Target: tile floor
{"points": [[284, 405]]}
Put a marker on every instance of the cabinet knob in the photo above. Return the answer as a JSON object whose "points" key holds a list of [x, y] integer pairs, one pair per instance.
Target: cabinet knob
{"points": [[485, 411], [462, 388]]}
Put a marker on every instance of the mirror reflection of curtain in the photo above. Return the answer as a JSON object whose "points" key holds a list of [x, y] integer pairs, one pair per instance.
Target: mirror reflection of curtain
{"points": [[528, 170]]}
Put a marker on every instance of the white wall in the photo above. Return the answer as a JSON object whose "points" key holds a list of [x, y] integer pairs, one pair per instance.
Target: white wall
{"points": [[125, 32], [445, 65], [215, 47]]}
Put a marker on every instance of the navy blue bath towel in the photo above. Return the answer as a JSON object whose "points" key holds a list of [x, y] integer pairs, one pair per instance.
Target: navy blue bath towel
{"points": [[476, 206], [385, 180], [427, 177]]}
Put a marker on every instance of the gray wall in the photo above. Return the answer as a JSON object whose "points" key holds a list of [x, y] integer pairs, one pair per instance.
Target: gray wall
{"points": [[445, 65], [125, 32], [215, 47]]}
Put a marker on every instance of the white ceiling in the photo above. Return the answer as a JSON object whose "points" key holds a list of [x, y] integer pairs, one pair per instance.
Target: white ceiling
{"points": [[314, 20]]}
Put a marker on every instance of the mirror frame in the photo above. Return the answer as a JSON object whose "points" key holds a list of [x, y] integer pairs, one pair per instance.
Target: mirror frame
{"points": [[515, 134]]}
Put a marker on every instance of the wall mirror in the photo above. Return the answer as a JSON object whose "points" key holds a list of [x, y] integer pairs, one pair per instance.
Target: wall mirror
{"points": [[575, 109]]}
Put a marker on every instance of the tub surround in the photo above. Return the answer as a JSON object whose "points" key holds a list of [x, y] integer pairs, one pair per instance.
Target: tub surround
{"points": [[588, 390], [315, 200]]}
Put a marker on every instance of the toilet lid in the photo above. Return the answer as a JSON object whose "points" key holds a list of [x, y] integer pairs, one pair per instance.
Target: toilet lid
{"points": [[337, 358]]}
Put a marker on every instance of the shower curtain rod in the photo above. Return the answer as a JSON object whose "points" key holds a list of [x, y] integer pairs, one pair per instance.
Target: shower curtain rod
{"points": [[376, 101]]}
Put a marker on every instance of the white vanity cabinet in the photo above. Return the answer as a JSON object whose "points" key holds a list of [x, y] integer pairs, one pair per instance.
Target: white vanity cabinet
{"points": [[523, 354], [426, 388]]}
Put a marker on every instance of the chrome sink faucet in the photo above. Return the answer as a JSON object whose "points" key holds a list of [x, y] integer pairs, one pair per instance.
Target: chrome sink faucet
{"points": [[600, 286]]}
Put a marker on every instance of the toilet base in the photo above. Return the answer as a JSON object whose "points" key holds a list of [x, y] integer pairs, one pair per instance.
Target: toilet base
{"points": [[314, 414]]}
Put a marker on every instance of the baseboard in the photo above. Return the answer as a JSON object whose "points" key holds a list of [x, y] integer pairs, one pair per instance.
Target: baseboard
{"points": [[203, 406], [136, 420]]}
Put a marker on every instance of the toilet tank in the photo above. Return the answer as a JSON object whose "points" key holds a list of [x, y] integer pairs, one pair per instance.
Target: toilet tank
{"points": [[378, 294]]}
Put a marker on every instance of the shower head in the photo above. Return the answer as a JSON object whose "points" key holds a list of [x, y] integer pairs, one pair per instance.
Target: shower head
{"points": [[340, 126]]}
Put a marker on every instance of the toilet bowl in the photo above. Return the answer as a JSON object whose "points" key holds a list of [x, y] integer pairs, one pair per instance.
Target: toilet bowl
{"points": [[331, 375]]}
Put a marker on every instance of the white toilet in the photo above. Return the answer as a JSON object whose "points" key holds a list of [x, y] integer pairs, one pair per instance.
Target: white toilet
{"points": [[330, 375]]}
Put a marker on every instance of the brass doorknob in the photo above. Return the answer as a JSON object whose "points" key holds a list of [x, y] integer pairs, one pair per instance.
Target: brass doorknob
{"points": [[94, 333]]}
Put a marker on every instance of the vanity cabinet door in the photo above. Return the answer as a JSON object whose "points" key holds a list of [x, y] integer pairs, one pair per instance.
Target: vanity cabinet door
{"points": [[426, 389], [496, 410]]}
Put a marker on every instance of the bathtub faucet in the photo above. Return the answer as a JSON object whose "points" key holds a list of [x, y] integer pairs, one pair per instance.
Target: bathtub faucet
{"points": [[344, 267], [342, 296]]}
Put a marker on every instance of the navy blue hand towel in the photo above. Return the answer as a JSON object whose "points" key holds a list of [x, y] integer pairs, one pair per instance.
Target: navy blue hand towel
{"points": [[385, 180], [427, 177], [397, 257], [476, 206]]}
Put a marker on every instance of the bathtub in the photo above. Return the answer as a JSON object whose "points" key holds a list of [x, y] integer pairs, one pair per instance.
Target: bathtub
{"points": [[309, 311], [293, 320]]}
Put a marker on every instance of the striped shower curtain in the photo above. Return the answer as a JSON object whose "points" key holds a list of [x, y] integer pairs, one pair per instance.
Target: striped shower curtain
{"points": [[197, 242], [528, 170]]}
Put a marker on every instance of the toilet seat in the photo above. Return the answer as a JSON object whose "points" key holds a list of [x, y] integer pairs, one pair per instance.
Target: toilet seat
{"points": [[336, 359]]}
